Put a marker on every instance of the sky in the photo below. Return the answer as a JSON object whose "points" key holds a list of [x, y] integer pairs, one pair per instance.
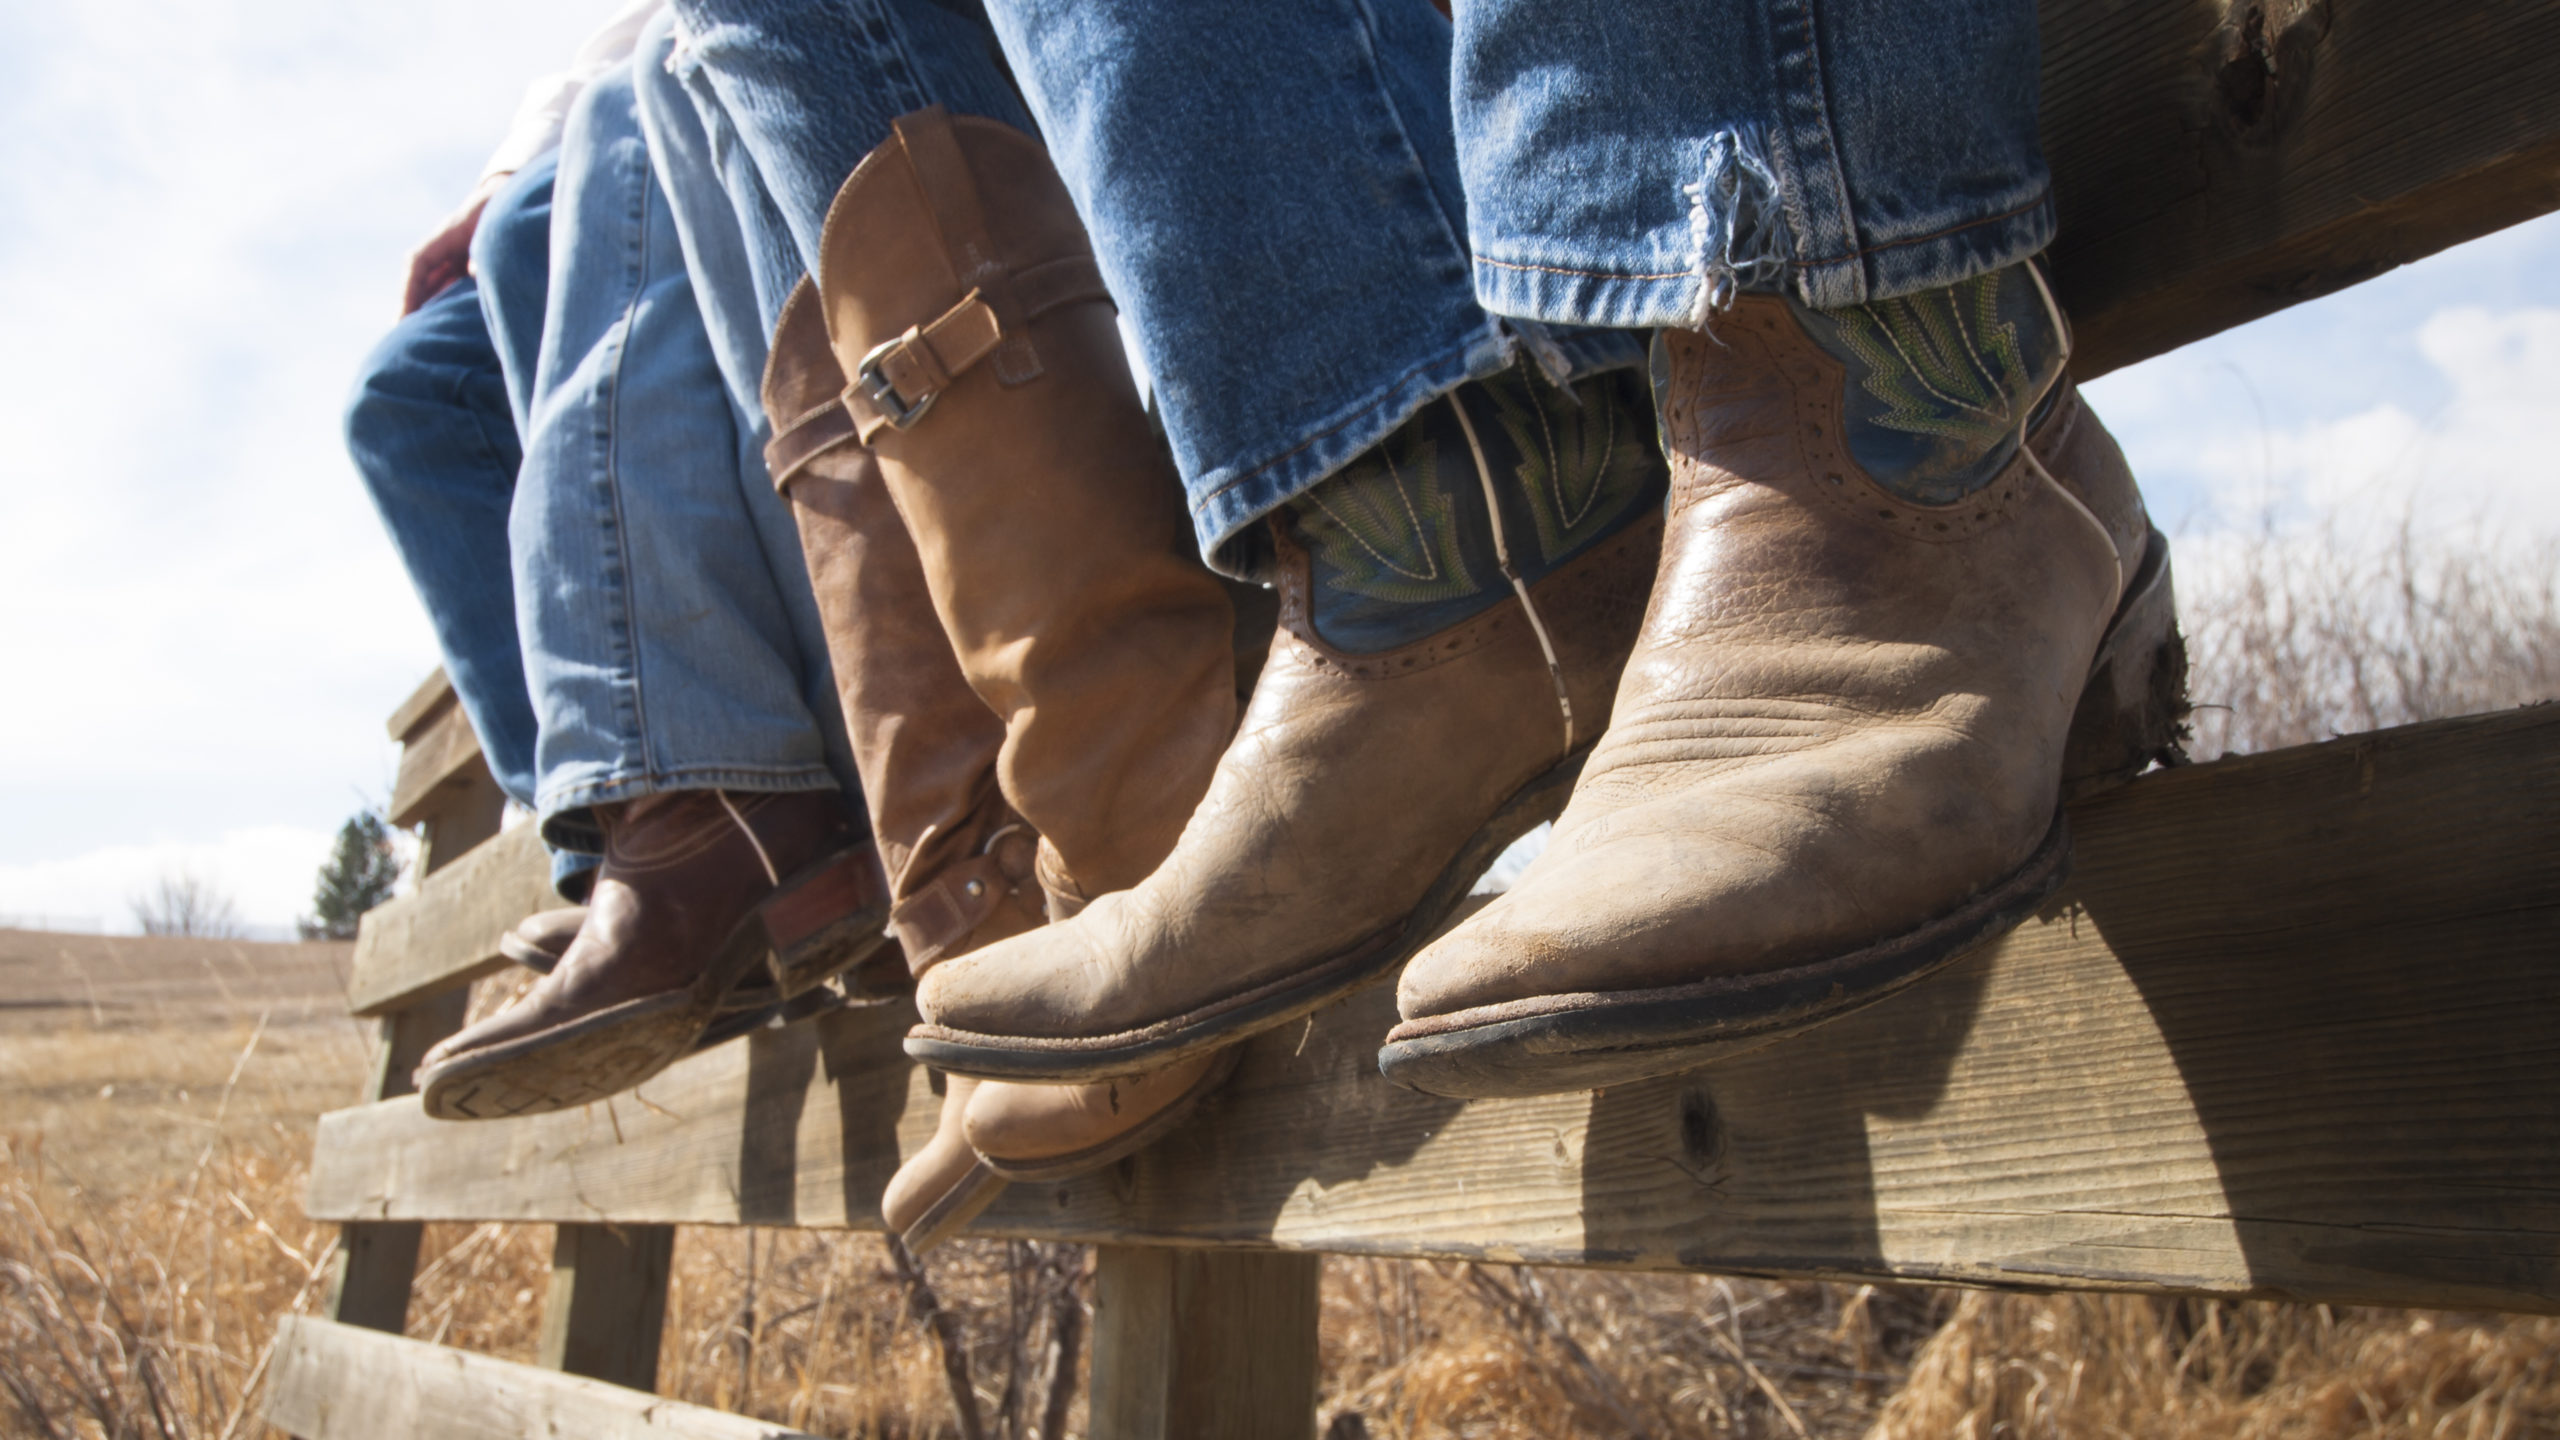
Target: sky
{"points": [[204, 207]]}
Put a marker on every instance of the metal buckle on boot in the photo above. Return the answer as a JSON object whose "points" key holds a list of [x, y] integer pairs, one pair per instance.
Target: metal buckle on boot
{"points": [[884, 397]]}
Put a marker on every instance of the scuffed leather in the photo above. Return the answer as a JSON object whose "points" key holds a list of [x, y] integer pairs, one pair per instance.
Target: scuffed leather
{"points": [[546, 934], [678, 876], [1352, 783], [1047, 516], [929, 1174], [1847, 713], [924, 744], [1023, 1123]]}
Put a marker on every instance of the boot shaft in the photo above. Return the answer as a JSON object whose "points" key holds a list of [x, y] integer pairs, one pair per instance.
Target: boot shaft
{"points": [[961, 296]]}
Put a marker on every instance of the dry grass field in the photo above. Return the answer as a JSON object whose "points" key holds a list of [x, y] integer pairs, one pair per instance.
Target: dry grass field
{"points": [[156, 1099]]}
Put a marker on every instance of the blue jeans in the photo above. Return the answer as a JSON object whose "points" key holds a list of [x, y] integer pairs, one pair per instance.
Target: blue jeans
{"points": [[1317, 216], [808, 87], [669, 635], [429, 432]]}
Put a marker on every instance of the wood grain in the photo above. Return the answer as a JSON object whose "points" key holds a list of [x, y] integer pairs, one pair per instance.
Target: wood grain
{"points": [[339, 1382], [2218, 160], [608, 1302], [1203, 1342], [2288, 1031], [446, 934]]}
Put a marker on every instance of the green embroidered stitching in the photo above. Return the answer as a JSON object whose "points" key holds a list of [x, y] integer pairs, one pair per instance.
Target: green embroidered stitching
{"points": [[1581, 465], [1934, 374], [1388, 537]]}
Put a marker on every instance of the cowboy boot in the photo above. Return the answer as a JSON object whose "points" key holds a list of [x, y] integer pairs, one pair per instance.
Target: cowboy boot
{"points": [[1910, 599], [988, 379], [539, 940], [961, 860], [696, 891], [1455, 606]]}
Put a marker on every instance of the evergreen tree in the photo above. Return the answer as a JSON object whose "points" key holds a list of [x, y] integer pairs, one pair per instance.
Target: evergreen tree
{"points": [[359, 876]]}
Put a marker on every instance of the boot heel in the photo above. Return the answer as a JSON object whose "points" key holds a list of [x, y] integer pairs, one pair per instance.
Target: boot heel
{"points": [[2134, 709], [832, 916]]}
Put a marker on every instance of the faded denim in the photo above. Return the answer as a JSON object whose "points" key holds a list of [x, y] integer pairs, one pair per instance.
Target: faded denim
{"points": [[1319, 216], [429, 432], [669, 636], [809, 88]]}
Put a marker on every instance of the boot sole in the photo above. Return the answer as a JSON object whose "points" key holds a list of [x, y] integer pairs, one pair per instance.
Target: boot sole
{"points": [[1083, 1059], [2128, 715], [605, 1052], [1155, 1127]]}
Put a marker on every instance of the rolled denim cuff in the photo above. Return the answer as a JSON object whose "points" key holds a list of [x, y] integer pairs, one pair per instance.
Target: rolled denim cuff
{"points": [[1233, 497], [1557, 292], [1887, 268], [567, 812]]}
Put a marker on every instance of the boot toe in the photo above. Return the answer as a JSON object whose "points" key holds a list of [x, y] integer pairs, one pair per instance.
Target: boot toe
{"points": [[1034, 985]]}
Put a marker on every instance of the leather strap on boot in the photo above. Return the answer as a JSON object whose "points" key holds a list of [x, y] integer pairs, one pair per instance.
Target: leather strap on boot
{"points": [[989, 385], [924, 744], [899, 379]]}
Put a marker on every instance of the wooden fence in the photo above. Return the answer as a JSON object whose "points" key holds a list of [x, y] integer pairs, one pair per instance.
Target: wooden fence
{"points": [[2289, 1030]]}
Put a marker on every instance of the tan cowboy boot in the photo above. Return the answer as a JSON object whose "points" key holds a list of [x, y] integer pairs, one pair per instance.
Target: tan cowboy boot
{"points": [[1455, 607], [697, 889], [1840, 750], [927, 750], [988, 378]]}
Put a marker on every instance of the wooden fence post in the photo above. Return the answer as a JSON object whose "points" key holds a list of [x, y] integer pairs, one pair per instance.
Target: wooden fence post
{"points": [[445, 788], [1203, 1342], [608, 1302]]}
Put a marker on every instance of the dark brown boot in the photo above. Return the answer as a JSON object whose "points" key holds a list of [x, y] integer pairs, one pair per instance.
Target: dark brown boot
{"points": [[539, 940], [698, 888]]}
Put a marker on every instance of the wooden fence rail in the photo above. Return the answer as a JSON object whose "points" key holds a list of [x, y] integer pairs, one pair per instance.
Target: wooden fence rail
{"points": [[2288, 1031]]}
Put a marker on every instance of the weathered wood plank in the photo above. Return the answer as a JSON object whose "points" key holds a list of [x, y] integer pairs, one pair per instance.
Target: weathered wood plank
{"points": [[1203, 1342], [435, 690], [2288, 1031], [438, 755], [338, 1382], [608, 1302], [2218, 160], [446, 934]]}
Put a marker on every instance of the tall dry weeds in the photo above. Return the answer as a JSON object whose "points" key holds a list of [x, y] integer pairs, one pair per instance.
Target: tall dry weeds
{"points": [[2301, 635], [2149, 1368]]}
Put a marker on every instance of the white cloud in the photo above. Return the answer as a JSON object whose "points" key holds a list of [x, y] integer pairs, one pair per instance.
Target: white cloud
{"points": [[2482, 455]]}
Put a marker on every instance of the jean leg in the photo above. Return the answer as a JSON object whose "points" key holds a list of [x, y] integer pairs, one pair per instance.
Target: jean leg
{"points": [[812, 85], [429, 432], [1632, 164], [721, 259], [659, 647], [511, 259], [1274, 199]]}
